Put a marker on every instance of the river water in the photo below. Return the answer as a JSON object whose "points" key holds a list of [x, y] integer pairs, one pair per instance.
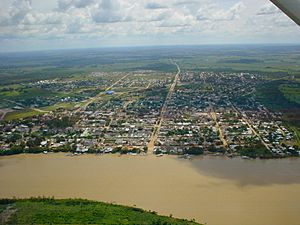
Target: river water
{"points": [[213, 190]]}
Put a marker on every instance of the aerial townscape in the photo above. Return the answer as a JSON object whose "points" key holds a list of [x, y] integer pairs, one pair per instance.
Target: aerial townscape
{"points": [[152, 112], [182, 113]]}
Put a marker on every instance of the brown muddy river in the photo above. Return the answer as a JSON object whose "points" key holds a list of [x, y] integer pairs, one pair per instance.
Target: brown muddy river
{"points": [[213, 190]]}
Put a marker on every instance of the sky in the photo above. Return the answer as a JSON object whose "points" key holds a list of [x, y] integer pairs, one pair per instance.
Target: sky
{"points": [[57, 24]]}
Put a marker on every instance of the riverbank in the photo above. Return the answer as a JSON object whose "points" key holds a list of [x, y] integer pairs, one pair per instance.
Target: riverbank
{"points": [[134, 152], [78, 211]]}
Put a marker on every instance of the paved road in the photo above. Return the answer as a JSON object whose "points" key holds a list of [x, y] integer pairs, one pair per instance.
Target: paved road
{"points": [[217, 125], [158, 124]]}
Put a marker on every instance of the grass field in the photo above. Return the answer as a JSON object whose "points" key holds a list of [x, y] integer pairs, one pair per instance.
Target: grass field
{"points": [[21, 114], [50, 211], [64, 105], [25, 93]]}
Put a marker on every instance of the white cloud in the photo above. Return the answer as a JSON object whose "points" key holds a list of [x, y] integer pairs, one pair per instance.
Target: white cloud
{"points": [[37, 18], [67, 4], [16, 12], [215, 13], [111, 11], [115, 20], [176, 19]]}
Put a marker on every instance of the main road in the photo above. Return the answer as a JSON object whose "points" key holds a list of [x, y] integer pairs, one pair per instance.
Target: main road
{"points": [[159, 122]]}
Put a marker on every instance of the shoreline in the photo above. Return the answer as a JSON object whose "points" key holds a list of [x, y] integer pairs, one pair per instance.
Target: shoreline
{"points": [[145, 155]]}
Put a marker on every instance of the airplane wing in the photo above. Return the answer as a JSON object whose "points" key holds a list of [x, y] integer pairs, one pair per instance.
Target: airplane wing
{"points": [[290, 8]]}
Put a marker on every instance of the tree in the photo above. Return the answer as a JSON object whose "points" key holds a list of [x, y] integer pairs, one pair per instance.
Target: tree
{"points": [[194, 151]]}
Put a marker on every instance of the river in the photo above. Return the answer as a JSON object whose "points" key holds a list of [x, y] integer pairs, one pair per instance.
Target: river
{"points": [[213, 190]]}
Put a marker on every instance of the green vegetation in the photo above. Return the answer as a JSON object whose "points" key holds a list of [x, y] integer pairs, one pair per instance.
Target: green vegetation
{"points": [[194, 151], [2, 207], [162, 66], [61, 122], [276, 61], [291, 92], [124, 150], [36, 150], [27, 67], [34, 66], [24, 94], [76, 211], [22, 114], [283, 96], [177, 132], [270, 94], [65, 105], [255, 151], [296, 131]]}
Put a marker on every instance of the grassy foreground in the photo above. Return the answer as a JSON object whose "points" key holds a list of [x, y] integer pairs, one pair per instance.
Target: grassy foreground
{"points": [[77, 211]]}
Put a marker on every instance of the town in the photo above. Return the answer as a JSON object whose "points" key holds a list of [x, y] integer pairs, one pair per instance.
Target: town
{"points": [[148, 112]]}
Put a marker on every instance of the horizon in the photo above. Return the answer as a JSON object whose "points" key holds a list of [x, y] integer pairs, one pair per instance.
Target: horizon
{"points": [[154, 46]]}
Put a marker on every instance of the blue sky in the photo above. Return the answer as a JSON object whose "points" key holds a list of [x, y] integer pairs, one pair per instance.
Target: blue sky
{"points": [[54, 24]]}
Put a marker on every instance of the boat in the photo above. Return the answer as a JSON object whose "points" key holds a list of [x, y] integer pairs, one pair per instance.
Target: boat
{"points": [[131, 153]]}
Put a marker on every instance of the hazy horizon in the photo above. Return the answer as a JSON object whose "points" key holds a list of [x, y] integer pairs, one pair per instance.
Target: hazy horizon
{"points": [[233, 45]]}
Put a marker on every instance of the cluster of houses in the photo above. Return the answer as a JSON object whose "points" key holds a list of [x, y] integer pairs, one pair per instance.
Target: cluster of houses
{"points": [[214, 112], [208, 110]]}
